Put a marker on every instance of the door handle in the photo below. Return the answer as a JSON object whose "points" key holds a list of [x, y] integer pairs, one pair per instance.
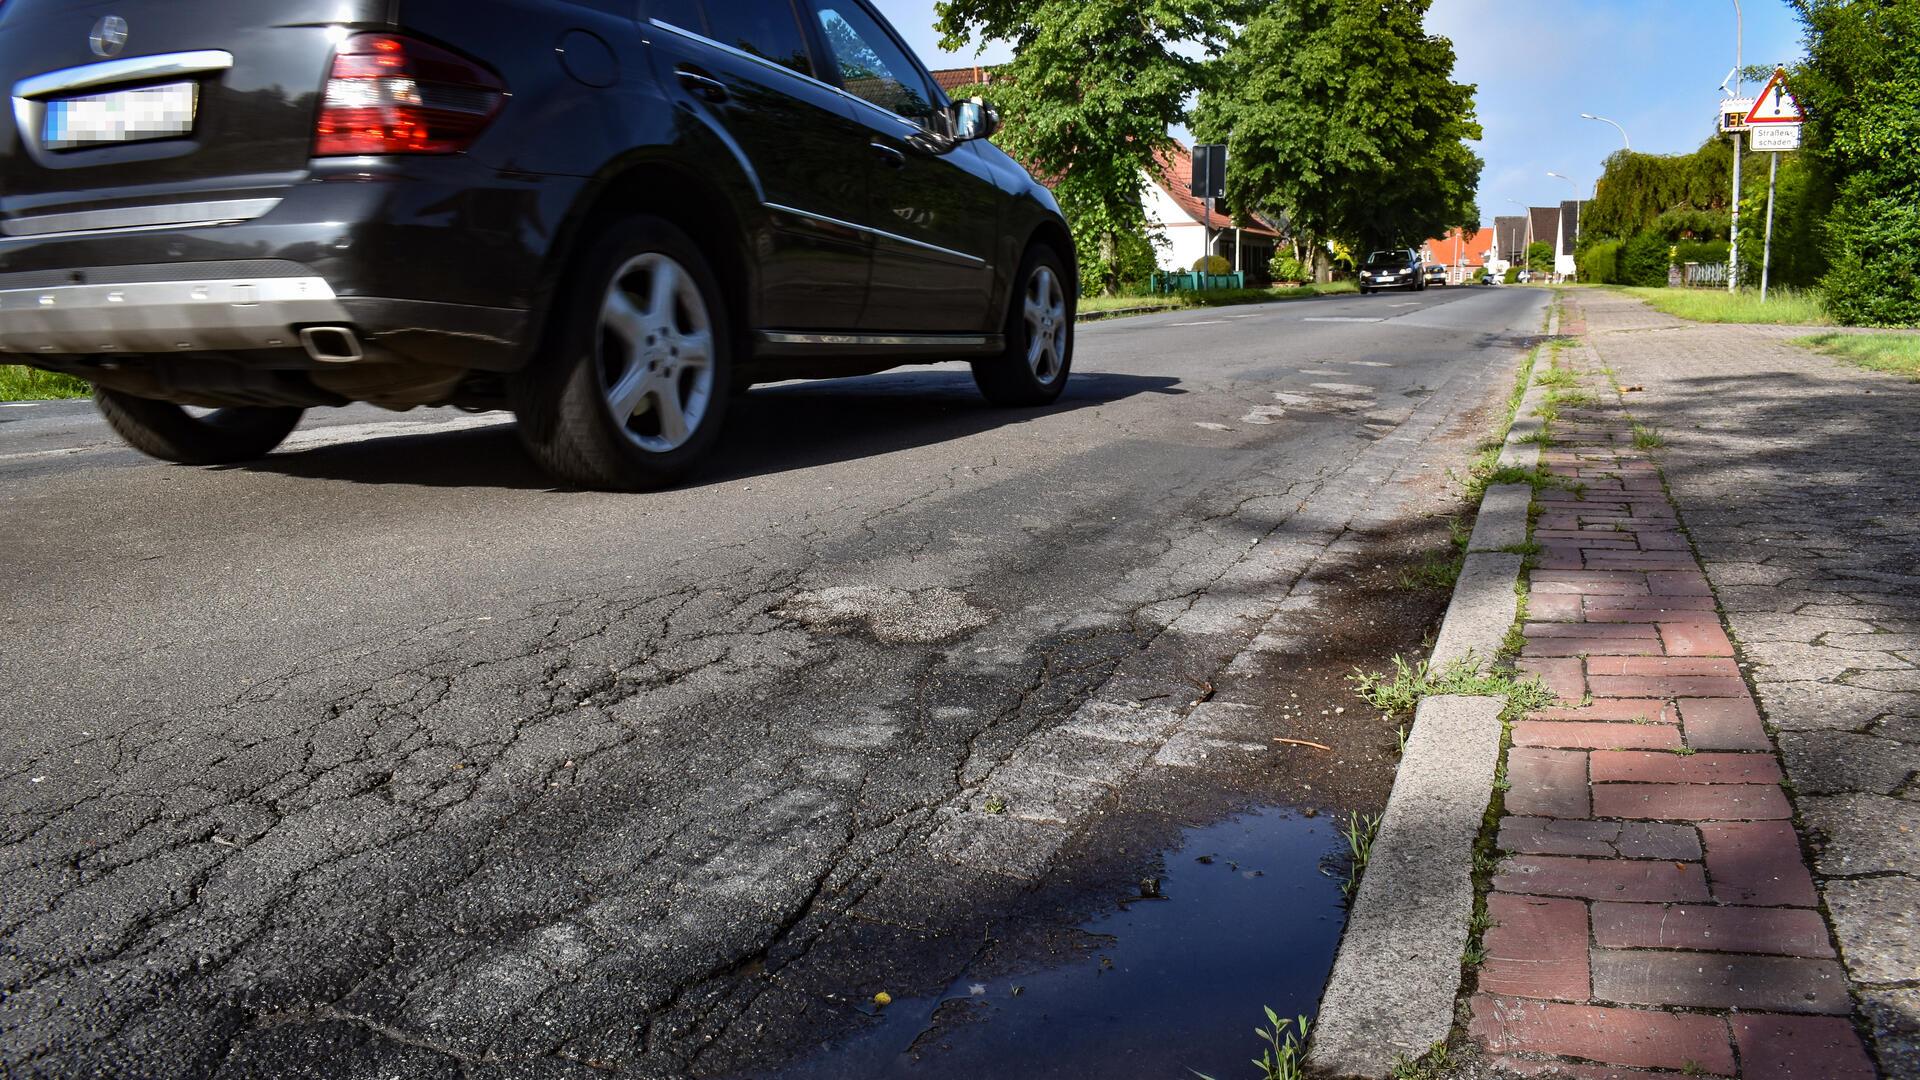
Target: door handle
{"points": [[889, 156], [709, 88]]}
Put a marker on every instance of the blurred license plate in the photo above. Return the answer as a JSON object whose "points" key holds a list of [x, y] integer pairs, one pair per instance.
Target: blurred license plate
{"points": [[124, 116]]}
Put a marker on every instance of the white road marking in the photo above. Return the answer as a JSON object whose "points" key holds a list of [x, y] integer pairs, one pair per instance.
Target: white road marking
{"points": [[1406, 303], [1367, 363], [1211, 427], [1291, 399], [1263, 414], [18, 404], [346, 433], [1343, 388], [1340, 318], [1202, 322], [64, 451]]}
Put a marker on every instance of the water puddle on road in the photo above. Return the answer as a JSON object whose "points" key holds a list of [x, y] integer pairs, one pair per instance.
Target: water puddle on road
{"points": [[1246, 917]]}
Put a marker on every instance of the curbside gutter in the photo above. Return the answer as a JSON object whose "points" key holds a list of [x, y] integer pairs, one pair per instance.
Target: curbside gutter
{"points": [[1397, 974]]}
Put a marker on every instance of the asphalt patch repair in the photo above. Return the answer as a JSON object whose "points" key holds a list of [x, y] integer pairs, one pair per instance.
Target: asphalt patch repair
{"points": [[1194, 897]]}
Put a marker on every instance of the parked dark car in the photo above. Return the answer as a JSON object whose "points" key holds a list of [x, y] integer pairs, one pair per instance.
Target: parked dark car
{"points": [[1436, 273], [1396, 268], [608, 217]]}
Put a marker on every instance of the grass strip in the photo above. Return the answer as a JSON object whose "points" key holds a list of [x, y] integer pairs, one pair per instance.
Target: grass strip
{"points": [[1783, 307], [32, 384], [1895, 354], [1095, 305]]}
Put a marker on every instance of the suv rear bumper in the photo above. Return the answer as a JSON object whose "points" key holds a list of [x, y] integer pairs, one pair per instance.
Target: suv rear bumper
{"points": [[440, 264]]}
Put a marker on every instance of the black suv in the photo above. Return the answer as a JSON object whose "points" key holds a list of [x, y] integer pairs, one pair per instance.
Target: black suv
{"points": [[606, 215], [1397, 268]]}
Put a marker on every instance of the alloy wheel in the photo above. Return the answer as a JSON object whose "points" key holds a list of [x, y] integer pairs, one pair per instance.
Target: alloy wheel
{"points": [[1047, 324], [656, 353]]}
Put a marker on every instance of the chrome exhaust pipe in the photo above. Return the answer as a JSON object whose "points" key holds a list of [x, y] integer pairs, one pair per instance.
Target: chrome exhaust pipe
{"points": [[332, 344]]}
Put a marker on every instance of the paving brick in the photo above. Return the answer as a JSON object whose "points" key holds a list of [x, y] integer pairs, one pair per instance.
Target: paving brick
{"points": [[1664, 666], [1799, 1048], [1661, 539], [1565, 677], [1643, 608], [1632, 1037], [1678, 583], [1631, 710], [1621, 559], [1785, 931], [1720, 981], [1667, 686], [1756, 862], [1591, 646], [1695, 638], [1556, 1069], [1574, 734], [1589, 583], [1554, 608], [1537, 948], [1691, 802], [1722, 724], [1547, 783], [1601, 839], [1638, 766], [1628, 631], [1602, 879]]}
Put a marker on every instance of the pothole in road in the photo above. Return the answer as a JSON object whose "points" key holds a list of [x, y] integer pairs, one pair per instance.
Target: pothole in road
{"points": [[1240, 915], [894, 616]]}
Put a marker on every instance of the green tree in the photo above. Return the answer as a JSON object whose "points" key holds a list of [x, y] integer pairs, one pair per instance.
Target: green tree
{"points": [[1860, 87], [1343, 116], [1540, 257], [1087, 99]]}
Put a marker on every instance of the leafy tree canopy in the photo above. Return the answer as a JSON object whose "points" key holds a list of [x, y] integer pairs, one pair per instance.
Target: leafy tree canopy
{"points": [[1861, 89], [1088, 98], [1343, 116]]}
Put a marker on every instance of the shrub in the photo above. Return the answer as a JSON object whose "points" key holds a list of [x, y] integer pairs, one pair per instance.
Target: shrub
{"points": [[1285, 267], [1512, 275], [1644, 260], [1213, 264], [1599, 262], [1704, 252], [1480, 276], [1540, 257]]}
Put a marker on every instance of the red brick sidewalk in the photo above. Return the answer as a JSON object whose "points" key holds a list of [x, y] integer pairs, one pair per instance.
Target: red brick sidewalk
{"points": [[1654, 910]]}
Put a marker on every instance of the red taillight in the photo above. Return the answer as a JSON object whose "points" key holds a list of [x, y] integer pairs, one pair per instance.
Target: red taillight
{"points": [[393, 95]]}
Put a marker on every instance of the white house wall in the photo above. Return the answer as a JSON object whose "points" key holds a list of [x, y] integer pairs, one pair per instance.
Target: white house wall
{"points": [[1185, 239]]}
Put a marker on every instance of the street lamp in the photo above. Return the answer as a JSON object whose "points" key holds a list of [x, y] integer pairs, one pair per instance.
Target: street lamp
{"points": [[1623, 131], [1733, 222], [1576, 201]]}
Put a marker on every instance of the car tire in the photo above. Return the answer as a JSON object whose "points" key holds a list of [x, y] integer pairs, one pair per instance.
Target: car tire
{"points": [[1033, 368], [632, 388], [169, 432]]}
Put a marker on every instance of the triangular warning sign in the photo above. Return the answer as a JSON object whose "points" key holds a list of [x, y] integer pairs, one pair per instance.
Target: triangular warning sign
{"points": [[1776, 105]]}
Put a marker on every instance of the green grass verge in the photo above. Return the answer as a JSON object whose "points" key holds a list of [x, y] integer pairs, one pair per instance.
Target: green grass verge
{"points": [[1897, 354], [1783, 307], [1094, 305], [32, 384]]}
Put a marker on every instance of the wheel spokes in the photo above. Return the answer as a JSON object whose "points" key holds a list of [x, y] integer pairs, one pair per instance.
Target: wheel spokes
{"points": [[631, 392]]}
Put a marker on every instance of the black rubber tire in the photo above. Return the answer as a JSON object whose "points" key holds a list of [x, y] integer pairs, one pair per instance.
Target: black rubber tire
{"points": [[564, 420], [167, 431], [1007, 380]]}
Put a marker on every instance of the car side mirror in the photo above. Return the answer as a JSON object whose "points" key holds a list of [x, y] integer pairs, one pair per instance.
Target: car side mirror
{"points": [[974, 119]]}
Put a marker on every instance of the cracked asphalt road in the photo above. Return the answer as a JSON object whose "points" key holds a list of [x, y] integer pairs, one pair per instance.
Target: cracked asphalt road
{"points": [[382, 758]]}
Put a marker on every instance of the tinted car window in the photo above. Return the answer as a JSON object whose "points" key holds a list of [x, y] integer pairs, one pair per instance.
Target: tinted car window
{"points": [[1387, 258], [766, 28], [872, 66]]}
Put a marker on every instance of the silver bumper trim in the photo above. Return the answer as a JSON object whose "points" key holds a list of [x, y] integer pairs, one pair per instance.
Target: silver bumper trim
{"points": [[139, 217], [223, 315]]}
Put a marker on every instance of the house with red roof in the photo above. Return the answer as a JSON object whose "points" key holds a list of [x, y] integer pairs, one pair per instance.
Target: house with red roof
{"points": [[1461, 254]]}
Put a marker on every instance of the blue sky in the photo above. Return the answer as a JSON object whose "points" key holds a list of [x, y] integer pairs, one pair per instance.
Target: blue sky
{"points": [[1653, 65]]}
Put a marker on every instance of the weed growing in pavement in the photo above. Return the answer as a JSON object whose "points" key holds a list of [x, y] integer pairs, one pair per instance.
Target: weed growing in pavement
{"points": [[1686, 751], [1441, 569], [1399, 692], [1646, 438], [1359, 830], [1475, 954], [1280, 1059], [1401, 741], [1556, 377], [995, 805], [1432, 1065], [1572, 399]]}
